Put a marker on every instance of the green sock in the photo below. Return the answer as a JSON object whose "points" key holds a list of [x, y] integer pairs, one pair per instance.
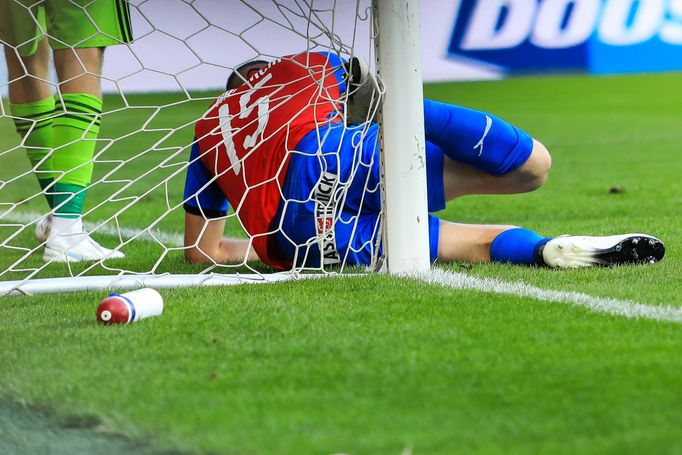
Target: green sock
{"points": [[73, 139], [68, 200], [34, 125]]}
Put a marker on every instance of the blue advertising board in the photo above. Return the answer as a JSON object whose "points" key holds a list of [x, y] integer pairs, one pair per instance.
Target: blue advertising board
{"points": [[598, 36]]}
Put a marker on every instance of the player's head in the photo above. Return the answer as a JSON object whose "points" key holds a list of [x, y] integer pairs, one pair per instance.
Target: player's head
{"points": [[243, 72]]}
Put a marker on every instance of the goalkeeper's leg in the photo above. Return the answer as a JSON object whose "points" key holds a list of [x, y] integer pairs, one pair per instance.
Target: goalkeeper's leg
{"points": [[32, 106], [75, 128], [78, 38], [74, 133]]}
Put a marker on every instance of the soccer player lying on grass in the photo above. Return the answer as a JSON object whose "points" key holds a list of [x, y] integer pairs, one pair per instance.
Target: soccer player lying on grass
{"points": [[276, 146]]}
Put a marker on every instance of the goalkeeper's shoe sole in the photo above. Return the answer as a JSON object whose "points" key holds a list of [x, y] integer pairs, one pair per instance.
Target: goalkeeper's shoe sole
{"points": [[87, 249], [43, 228], [582, 251]]}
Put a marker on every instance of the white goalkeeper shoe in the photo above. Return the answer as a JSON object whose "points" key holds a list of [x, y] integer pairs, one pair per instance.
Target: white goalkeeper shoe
{"points": [[43, 228], [58, 249], [571, 251]]}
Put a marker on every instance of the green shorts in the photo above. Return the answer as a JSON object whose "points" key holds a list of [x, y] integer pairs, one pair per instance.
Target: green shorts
{"points": [[67, 23]]}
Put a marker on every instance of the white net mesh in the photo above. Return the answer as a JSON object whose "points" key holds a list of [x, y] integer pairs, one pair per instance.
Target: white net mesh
{"points": [[156, 88]]}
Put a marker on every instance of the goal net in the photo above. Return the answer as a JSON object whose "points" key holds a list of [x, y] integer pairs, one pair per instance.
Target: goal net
{"points": [[155, 90]]}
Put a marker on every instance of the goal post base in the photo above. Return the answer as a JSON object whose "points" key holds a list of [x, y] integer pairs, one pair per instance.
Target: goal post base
{"points": [[128, 282]]}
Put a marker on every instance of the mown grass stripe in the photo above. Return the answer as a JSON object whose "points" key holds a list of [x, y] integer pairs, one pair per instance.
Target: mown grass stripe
{"points": [[168, 239], [615, 307]]}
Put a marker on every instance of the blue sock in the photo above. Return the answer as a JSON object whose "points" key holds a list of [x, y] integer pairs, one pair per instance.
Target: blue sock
{"points": [[518, 246]]}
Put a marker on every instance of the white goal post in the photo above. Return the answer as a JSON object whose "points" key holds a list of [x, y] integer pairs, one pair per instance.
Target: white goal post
{"points": [[135, 197], [398, 47]]}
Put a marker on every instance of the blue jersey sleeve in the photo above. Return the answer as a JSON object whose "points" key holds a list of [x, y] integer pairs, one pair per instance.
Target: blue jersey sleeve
{"points": [[203, 196]]}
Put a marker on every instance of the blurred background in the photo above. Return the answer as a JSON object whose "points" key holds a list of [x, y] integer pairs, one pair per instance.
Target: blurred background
{"points": [[188, 45]]}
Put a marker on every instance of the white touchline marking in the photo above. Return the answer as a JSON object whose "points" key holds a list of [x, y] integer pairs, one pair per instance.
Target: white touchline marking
{"points": [[624, 308], [445, 278], [488, 125], [166, 238]]}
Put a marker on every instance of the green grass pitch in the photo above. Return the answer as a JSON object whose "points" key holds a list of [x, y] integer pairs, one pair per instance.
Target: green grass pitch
{"points": [[373, 365]]}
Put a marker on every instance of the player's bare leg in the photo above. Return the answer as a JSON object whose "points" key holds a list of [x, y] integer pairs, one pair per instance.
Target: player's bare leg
{"points": [[461, 179], [467, 242], [32, 104], [28, 76], [79, 70]]}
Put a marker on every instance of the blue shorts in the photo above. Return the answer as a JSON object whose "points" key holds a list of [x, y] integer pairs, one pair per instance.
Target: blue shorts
{"points": [[332, 199]]}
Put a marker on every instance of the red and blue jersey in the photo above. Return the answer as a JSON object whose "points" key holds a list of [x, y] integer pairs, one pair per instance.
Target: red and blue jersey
{"points": [[322, 205], [246, 137]]}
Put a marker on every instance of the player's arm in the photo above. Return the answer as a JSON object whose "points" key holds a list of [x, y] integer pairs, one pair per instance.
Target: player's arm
{"points": [[204, 242], [205, 209]]}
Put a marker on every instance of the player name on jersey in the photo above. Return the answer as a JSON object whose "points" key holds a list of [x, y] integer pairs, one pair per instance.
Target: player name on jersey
{"points": [[325, 211]]}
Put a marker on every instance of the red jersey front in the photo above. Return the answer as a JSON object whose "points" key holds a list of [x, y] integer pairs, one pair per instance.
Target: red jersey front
{"points": [[246, 135]]}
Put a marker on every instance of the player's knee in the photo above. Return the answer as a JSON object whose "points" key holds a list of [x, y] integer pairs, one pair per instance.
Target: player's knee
{"points": [[544, 162], [536, 169]]}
